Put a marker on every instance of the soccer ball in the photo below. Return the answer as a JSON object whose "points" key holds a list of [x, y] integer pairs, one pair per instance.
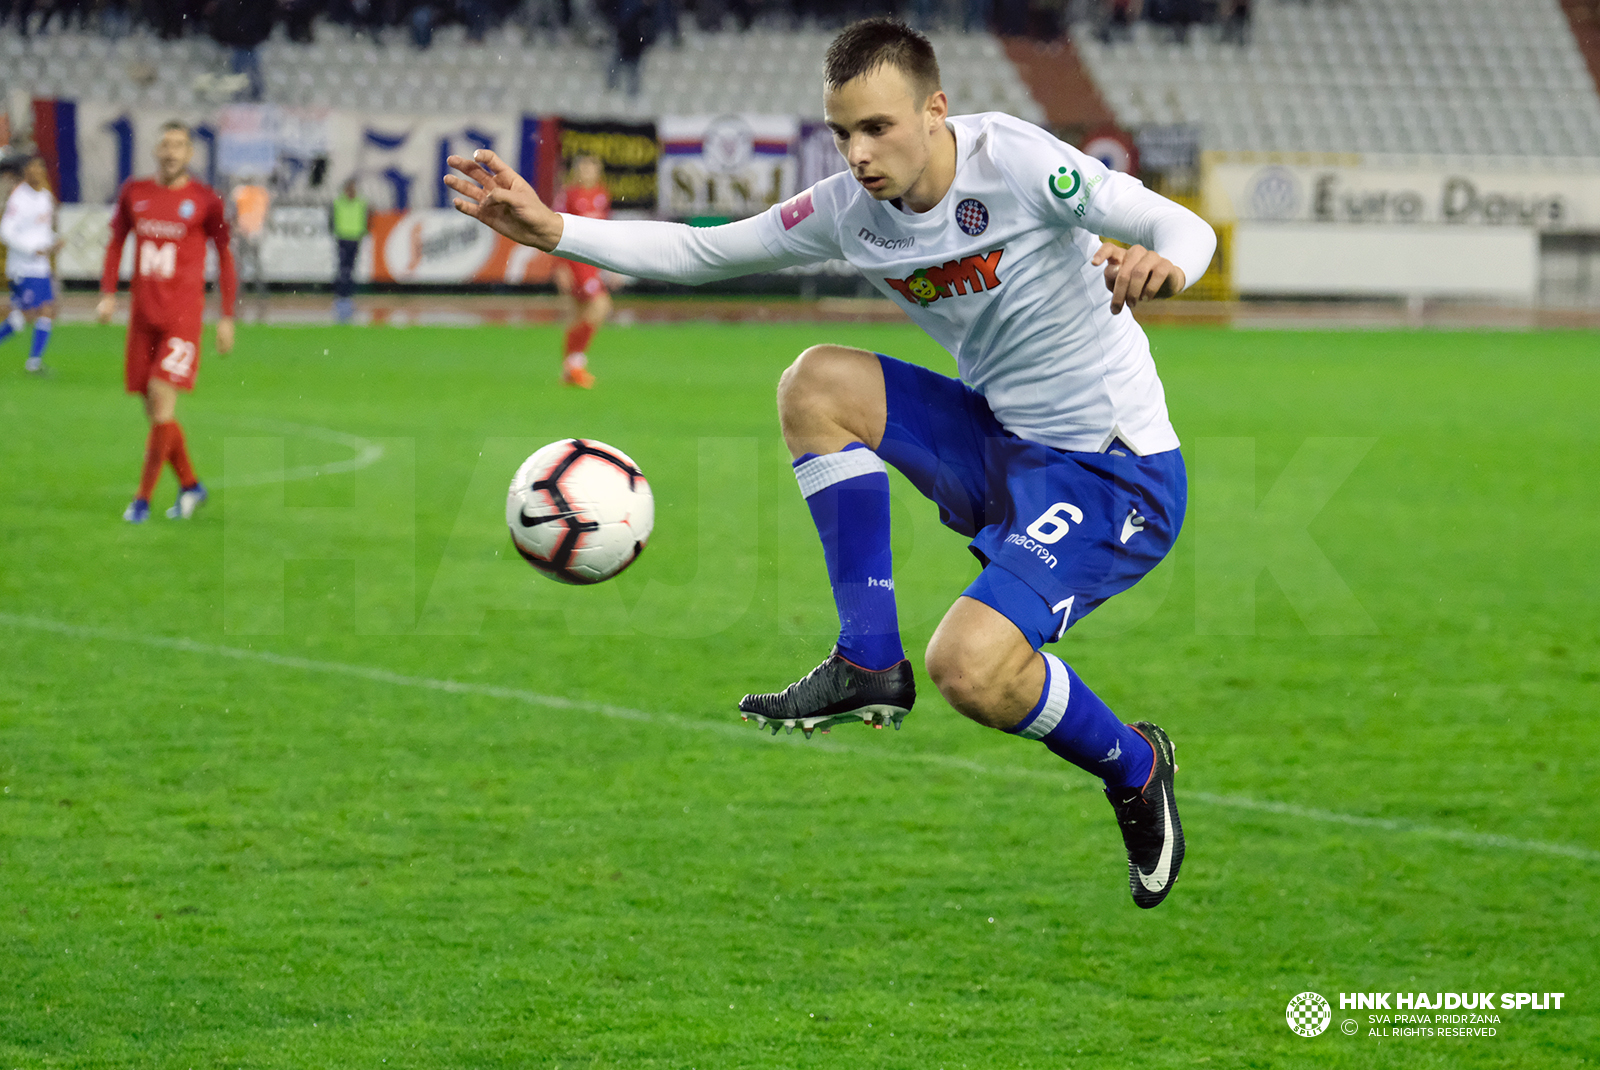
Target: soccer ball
{"points": [[579, 511]]}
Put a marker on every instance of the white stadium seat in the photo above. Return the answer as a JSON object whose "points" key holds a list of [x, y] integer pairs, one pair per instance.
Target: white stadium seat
{"points": [[1469, 77]]}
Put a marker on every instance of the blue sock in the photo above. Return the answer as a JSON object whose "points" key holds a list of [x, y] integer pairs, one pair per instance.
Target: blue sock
{"points": [[12, 324], [41, 337], [1073, 722], [848, 493]]}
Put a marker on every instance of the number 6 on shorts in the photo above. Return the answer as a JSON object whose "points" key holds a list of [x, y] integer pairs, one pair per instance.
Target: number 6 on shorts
{"points": [[1051, 525]]}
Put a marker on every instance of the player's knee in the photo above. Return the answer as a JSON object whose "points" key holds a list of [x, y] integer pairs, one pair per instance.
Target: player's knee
{"points": [[813, 386], [970, 681]]}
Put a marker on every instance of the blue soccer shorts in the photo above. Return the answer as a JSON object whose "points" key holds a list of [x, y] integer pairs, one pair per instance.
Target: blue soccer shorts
{"points": [[29, 294], [1057, 531]]}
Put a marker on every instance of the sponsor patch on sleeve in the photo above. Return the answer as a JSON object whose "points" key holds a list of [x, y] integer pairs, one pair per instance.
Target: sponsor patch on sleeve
{"points": [[796, 210], [1070, 185]]}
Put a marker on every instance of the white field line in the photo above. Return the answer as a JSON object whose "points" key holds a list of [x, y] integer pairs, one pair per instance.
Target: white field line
{"points": [[367, 454], [624, 713]]}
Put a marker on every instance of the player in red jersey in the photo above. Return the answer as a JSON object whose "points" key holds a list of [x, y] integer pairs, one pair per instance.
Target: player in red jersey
{"points": [[171, 216], [584, 194]]}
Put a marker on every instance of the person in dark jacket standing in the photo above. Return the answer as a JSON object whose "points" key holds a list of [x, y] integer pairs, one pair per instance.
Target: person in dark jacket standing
{"points": [[242, 25]]}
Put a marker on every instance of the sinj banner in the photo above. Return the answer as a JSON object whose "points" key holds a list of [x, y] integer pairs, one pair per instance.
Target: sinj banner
{"points": [[1355, 189], [726, 165]]}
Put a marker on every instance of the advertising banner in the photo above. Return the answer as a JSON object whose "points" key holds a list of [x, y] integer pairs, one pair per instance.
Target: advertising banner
{"points": [[397, 160], [726, 165], [1353, 190], [816, 155], [428, 246], [443, 246], [629, 152], [114, 143]]}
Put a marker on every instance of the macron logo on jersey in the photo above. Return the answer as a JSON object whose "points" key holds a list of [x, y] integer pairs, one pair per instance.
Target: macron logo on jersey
{"points": [[796, 210], [973, 274]]}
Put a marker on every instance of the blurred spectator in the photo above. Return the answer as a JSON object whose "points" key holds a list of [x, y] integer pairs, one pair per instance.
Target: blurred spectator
{"points": [[666, 23], [1120, 15], [173, 18], [242, 25], [66, 9], [421, 20], [299, 17], [1177, 15], [474, 15], [350, 217], [248, 205], [634, 24], [1236, 22]]}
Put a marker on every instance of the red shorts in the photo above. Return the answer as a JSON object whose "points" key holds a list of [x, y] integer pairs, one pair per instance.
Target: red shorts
{"points": [[586, 280], [169, 351]]}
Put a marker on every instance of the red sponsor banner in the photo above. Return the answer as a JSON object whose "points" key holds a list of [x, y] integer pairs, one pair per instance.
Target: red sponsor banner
{"points": [[444, 246]]}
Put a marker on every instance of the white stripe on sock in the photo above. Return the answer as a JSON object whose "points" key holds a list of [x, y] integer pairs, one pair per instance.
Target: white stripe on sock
{"points": [[819, 473], [1057, 686]]}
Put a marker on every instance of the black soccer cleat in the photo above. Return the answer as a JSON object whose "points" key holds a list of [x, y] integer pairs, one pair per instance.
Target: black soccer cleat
{"points": [[835, 692], [1151, 830]]}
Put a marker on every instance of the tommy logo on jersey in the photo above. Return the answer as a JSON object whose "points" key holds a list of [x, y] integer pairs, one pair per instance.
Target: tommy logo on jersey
{"points": [[975, 273]]}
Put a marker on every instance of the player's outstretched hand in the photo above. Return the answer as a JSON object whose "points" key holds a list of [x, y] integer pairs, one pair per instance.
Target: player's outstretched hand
{"points": [[493, 193], [1136, 274], [225, 335], [106, 308]]}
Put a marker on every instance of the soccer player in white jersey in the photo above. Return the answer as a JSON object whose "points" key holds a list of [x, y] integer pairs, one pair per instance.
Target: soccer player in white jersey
{"points": [[1052, 452], [28, 229]]}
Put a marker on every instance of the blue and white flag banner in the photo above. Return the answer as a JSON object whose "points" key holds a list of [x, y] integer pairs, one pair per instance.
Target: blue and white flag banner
{"points": [[725, 165]]}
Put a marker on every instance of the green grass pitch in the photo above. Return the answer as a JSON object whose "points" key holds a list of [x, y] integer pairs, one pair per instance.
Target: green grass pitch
{"points": [[326, 778]]}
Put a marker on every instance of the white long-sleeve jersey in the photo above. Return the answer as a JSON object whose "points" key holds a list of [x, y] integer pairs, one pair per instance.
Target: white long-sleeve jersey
{"points": [[28, 229], [998, 273]]}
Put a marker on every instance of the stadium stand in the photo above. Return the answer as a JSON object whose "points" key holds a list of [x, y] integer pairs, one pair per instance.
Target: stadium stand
{"points": [[769, 71], [1451, 77]]}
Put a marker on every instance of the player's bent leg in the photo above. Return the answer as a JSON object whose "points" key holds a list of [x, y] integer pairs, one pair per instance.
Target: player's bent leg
{"points": [[830, 397], [986, 667], [826, 401]]}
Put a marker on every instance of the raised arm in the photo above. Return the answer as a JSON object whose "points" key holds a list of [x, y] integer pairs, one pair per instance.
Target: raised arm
{"points": [[494, 194]]}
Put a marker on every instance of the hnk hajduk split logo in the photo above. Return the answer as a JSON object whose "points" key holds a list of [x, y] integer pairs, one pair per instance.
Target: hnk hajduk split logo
{"points": [[1309, 1014]]}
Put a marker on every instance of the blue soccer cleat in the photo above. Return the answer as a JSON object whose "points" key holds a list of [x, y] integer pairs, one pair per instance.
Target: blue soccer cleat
{"points": [[137, 512], [189, 499]]}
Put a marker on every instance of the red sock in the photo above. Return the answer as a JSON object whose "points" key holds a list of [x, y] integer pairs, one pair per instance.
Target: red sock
{"points": [[155, 454], [178, 454], [578, 336]]}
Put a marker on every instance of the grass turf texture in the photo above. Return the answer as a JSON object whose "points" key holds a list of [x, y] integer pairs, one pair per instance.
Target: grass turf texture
{"points": [[227, 861]]}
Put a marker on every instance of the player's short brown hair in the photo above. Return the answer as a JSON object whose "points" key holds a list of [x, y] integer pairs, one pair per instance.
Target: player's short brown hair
{"points": [[862, 47], [177, 124]]}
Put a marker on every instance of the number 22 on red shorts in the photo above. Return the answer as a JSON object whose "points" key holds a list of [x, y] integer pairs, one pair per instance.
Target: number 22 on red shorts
{"points": [[170, 353]]}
